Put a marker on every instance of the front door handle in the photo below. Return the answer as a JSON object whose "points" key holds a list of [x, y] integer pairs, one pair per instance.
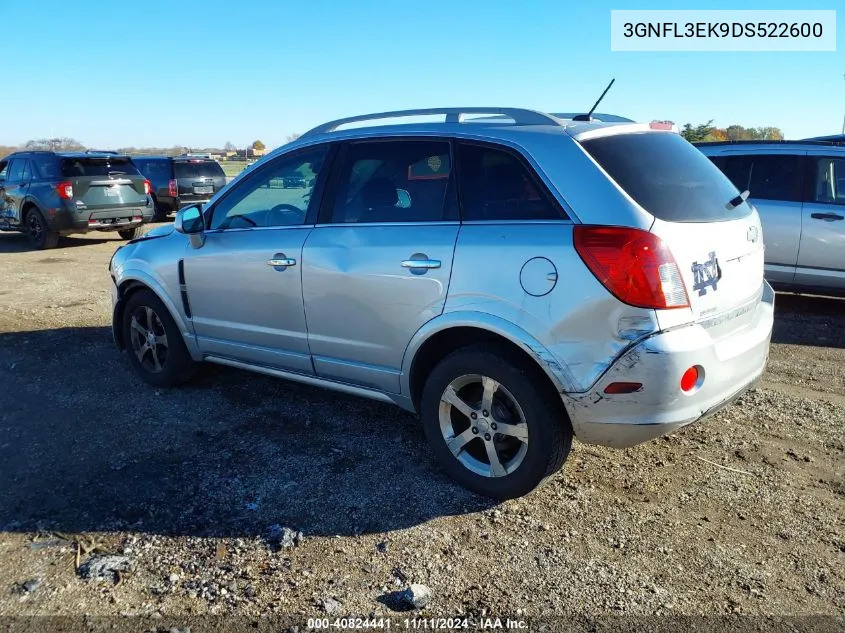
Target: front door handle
{"points": [[421, 263], [282, 262], [830, 217]]}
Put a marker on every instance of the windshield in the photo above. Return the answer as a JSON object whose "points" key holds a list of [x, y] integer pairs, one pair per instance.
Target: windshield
{"points": [[667, 176]]}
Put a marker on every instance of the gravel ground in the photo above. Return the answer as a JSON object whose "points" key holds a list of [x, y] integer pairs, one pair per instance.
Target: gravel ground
{"points": [[182, 503]]}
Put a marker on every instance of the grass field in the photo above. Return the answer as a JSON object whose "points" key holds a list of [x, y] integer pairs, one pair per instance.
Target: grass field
{"points": [[233, 168]]}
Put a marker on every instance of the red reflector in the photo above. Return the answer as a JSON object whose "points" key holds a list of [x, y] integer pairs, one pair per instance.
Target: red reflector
{"points": [[623, 387], [172, 189], [147, 187], [689, 379], [634, 265]]}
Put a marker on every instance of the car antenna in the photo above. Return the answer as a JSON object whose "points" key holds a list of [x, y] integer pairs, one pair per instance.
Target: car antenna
{"points": [[589, 115]]}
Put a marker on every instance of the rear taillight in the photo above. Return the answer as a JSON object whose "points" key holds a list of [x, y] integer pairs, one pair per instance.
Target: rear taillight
{"points": [[65, 190], [147, 187], [634, 265], [172, 189]]}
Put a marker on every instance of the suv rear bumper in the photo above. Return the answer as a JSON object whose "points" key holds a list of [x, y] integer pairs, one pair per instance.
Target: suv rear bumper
{"points": [[101, 219], [731, 366]]}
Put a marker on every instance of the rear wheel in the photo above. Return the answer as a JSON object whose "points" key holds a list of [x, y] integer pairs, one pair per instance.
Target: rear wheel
{"points": [[131, 234], [495, 424], [38, 232], [160, 212], [155, 345]]}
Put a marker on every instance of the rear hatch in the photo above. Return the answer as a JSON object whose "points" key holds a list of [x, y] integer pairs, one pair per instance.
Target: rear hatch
{"points": [[198, 178], [104, 182], [714, 236]]}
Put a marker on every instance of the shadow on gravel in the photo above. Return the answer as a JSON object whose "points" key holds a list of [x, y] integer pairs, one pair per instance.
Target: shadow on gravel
{"points": [[809, 320], [85, 446], [13, 242]]}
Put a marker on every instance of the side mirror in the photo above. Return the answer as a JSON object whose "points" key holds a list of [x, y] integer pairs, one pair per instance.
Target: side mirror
{"points": [[189, 221]]}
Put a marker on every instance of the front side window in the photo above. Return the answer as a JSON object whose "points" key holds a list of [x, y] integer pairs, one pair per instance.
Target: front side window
{"points": [[496, 185], [395, 181], [829, 180], [15, 172], [279, 194]]}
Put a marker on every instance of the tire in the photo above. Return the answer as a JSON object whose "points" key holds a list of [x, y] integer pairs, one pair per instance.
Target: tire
{"points": [[38, 231], [168, 363], [160, 212], [131, 234], [522, 399]]}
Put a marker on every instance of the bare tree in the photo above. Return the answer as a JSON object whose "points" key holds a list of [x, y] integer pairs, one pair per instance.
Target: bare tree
{"points": [[55, 144], [292, 137]]}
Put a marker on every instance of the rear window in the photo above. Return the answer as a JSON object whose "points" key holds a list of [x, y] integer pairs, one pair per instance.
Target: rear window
{"points": [[100, 166], [667, 176], [198, 169], [154, 169]]}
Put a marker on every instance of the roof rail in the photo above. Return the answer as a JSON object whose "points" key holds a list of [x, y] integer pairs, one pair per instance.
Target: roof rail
{"points": [[521, 116]]}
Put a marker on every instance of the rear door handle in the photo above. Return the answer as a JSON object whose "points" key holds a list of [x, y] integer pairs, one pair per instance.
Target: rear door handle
{"points": [[421, 263], [830, 217], [282, 262]]}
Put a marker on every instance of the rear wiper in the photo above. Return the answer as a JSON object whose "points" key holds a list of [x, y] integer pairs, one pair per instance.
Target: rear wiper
{"points": [[734, 203]]}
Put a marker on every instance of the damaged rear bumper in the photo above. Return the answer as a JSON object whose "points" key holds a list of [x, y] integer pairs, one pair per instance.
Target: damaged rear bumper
{"points": [[730, 365]]}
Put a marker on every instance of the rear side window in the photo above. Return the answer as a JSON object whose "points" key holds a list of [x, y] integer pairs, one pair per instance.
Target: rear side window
{"points": [[496, 185], [395, 181], [198, 169], [667, 176], [45, 168], [83, 166], [765, 176]]}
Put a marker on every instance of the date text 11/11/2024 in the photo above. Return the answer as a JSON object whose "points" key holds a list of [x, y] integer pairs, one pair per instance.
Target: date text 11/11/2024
{"points": [[417, 624]]}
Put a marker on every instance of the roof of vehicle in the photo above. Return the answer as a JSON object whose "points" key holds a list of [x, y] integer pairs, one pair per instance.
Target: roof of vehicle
{"points": [[69, 154], [192, 159], [769, 143], [837, 138]]}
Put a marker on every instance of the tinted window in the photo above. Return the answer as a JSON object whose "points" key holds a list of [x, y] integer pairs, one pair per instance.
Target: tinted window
{"points": [[667, 176], [82, 166], [16, 167], [496, 185], [267, 197], [156, 170], [765, 176], [4, 169], [829, 184], [197, 169], [396, 181], [46, 168]]}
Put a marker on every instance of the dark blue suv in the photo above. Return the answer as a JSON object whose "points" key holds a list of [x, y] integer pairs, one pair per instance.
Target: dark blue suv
{"points": [[49, 194]]}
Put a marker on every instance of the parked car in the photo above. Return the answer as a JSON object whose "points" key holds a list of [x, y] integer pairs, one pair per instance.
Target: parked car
{"points": [[49, 194], [798, 188], [513, 283], [178, 181]]}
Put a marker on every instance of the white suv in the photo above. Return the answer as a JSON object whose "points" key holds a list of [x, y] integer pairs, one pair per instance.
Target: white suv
{"points": [[514, 279]]}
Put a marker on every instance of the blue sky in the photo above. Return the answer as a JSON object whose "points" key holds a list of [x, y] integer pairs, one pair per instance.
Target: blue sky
{"points": [[162, 73]]}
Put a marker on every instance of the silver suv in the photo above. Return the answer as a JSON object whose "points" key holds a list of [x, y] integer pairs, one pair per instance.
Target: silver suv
{"points": [[798, 188], [513, 277]]}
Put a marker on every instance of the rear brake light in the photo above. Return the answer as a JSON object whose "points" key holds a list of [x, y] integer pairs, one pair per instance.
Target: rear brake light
{"points": [[147, 187], [634, 265], [172, 189], [65, 190]]}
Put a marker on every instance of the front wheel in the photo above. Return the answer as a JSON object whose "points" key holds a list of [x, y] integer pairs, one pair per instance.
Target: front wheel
{"points": [[154, 342], [493, 421]]}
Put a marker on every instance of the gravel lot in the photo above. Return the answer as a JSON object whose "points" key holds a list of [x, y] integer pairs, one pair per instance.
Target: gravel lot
{"points": [[192, 488]]}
